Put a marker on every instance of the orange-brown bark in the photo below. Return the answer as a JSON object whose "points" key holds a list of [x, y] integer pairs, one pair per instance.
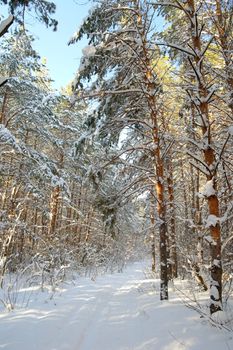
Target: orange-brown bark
{"points": [[150, 84], [209, 159], [54, 210]]}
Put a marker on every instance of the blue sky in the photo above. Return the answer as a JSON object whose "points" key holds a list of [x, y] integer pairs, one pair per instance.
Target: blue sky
{"points": [[62, 60]]}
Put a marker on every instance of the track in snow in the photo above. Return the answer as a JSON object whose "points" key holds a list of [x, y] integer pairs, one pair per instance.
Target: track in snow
{"points": [[115, 312]]}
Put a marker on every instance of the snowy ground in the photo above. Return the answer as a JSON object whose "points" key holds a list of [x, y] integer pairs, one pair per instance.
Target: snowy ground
{"points": [[115, 312]]}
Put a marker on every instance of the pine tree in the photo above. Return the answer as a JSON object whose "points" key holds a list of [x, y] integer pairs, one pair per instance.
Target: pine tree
{"points": [[126, 54], [41, 8]]}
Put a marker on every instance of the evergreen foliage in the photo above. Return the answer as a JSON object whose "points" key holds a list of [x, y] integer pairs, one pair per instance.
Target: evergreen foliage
{"points": [[134, 158]]}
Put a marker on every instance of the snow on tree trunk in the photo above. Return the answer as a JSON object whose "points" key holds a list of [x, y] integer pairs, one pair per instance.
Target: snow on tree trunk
{"points": [[161, 206], [159, 174], [209, 159]]}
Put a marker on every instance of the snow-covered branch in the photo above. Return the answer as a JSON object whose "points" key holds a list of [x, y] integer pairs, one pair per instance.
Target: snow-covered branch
{"points": [[107, 92], [5, 25], [177, 47]]}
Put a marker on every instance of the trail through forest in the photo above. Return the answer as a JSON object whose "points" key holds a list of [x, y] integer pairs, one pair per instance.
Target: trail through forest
{"points": [[114, 312]]}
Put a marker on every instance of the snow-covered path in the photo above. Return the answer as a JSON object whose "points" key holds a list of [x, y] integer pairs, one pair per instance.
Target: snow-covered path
{"points": [[115, 312]]}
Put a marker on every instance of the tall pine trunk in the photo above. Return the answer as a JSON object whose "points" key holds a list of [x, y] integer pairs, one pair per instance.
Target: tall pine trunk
{"points": [[209, 160], [54, 205]]}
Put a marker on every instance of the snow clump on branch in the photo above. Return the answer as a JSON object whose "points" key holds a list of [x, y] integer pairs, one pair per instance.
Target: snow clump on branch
{"points": [[230, 130], [88, 51], [208, 189], [212, 220]]}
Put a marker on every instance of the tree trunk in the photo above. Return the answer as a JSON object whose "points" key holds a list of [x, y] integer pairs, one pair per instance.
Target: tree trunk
{"points": [[172, 236], [209, 159], [150, 80], [152, 236], [4, 106], [54, 205], [159, 176]]}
